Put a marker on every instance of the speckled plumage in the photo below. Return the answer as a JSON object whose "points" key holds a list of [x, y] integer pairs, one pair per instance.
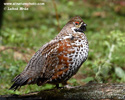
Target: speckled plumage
{"points": [[58, 60]]}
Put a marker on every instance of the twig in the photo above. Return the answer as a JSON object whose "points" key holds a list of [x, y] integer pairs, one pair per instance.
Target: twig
{"points": [[15, 49], [57, 17], [110, 53]]}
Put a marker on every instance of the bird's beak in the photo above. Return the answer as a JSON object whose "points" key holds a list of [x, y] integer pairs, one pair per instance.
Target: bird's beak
{"points": [[83, 27]]}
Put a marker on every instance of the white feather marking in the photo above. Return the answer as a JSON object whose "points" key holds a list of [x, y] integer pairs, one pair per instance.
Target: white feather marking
{"points": [[73, 29], [67, 37]]}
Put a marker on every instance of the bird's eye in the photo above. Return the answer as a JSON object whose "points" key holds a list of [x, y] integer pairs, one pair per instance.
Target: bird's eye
{"points": [[76, 23]]}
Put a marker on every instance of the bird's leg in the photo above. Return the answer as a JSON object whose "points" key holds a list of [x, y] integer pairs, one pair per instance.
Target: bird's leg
{"points": [[57, 85]]}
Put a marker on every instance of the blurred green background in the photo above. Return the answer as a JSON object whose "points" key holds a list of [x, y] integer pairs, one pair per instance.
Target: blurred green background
{"points": [[24, 32]]}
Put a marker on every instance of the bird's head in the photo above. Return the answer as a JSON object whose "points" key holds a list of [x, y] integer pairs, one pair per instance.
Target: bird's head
{"points": [[77, 24]]}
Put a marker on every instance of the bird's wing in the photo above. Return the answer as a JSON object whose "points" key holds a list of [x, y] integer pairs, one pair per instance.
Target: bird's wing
{"points": [[49, 62], [57, 60], [32, 70]]}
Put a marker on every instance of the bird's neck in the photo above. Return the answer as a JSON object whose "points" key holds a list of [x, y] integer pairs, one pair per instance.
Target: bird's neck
{"points": [[68, 33]]}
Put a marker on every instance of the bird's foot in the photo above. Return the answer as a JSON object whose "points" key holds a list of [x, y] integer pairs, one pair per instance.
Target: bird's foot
{"points": [[65, 86], [68, 87]]}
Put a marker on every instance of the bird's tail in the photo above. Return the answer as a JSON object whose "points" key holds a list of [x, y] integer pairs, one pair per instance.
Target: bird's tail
{"points": [[19, 81]]}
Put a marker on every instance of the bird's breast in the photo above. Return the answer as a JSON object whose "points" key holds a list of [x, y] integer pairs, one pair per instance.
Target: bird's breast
{"points": [[72, 52]]}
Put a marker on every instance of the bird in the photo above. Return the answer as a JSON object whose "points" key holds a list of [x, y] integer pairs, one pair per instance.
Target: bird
{"points": [[58, 60]]}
